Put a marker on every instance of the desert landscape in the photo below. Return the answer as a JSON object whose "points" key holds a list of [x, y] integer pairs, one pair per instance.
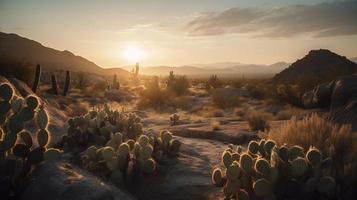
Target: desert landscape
{"points": [[73, 129]]}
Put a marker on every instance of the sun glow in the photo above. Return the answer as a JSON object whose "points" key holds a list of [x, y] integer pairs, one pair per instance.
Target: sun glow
{"points": [[134, 54]]}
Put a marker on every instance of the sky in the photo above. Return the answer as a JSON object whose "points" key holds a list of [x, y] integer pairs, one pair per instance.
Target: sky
{"points": [[183, 32]]}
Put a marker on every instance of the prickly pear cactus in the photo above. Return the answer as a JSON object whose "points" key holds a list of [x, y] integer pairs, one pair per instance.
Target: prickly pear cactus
{"points": [[268, 171], [96, 128], [17, 148]]}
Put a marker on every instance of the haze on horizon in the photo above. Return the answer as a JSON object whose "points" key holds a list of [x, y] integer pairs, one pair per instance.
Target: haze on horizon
{"points": [[187, 31]]}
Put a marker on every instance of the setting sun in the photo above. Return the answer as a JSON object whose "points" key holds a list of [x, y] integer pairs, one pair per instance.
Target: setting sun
{"points": [[134, 54]]}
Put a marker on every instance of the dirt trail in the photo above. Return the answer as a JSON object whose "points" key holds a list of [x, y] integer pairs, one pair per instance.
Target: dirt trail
{"points": [[189, 177]]}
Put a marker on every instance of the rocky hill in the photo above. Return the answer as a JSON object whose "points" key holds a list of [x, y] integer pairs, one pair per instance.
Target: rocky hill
{"points": [[318, 66], [19, 49]]}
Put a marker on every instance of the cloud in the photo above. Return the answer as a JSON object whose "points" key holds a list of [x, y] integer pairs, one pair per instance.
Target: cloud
{"points": [[319, 20]]}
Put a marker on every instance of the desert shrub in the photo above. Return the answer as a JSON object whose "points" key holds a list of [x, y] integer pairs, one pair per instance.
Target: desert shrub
{"points": [[336, 141], [177, 84], [213, 82], [258, 121], [153, 96], [225, 101], [290, 94], [256, 91], [267, 170]]}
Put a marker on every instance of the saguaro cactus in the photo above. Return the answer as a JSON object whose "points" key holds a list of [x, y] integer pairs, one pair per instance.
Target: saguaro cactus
{"points": [[37, 78], [54, 84], [114, 80], [136, 69], [66, 83]]}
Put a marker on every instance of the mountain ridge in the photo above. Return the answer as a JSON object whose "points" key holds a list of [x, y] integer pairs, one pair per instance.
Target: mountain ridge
{"points": [[20, 48]]}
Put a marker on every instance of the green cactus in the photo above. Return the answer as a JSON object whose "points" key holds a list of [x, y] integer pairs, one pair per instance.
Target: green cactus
{"points": [[246, 162], [6, 92], [217, 177], [298, 167], [233, 171], [54, 84], [66, 84], [37, 78], [227, 159], [52, 155], [42, 119], [314, 156], [296, 151], [279, 172], [149, 166], [253, 147], [263, 167], [42, 137], [262, 187]]}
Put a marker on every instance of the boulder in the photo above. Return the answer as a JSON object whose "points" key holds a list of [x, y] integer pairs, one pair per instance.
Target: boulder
{"points": [[339, 96], [62, 181]]}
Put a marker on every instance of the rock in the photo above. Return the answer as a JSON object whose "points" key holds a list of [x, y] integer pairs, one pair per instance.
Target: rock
{"points": [[320, 96], [62, 181], [340, 96]]}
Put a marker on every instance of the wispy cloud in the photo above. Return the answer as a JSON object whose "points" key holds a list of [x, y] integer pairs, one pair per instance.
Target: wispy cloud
{"points": [[319, 20]]}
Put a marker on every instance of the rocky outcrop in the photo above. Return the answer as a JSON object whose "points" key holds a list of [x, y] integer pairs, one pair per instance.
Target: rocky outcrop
{"points": [[339, 96], [62, 181]]}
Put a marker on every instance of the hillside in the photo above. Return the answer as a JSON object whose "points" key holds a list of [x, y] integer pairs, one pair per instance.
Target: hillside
{"points": [[17, 48], [317, 66]]}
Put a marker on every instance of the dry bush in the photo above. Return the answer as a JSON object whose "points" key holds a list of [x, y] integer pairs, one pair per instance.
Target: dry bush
{"points": [[336, 141], [178, 84], [286, 114], [225, 101], [258, 121], [153, 96]]}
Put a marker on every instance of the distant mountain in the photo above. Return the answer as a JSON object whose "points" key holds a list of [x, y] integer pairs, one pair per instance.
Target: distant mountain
{"points": [[316, 67], [22, 49], [221, 69]]}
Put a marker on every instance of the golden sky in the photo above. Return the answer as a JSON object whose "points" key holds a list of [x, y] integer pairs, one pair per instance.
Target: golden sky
{"points": [[183, 32]]}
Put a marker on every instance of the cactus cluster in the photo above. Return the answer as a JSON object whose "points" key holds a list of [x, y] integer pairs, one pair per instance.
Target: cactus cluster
{"points": [[268, 171], [166, 145], [119, 159], [174, 119], [18, 151], [97, 126]]}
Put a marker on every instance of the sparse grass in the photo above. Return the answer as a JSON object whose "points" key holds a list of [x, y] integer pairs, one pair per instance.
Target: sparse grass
{"points": [[288, 113], [336, 141], [258, 121]]}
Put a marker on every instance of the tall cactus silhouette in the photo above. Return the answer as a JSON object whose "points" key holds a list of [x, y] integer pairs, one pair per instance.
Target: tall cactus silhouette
{"points": [[37, 78], [66, 83], [54, 84]]}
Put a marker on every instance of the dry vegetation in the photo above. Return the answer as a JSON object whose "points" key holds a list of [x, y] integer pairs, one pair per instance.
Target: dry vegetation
{"points": [[336, 141]]}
